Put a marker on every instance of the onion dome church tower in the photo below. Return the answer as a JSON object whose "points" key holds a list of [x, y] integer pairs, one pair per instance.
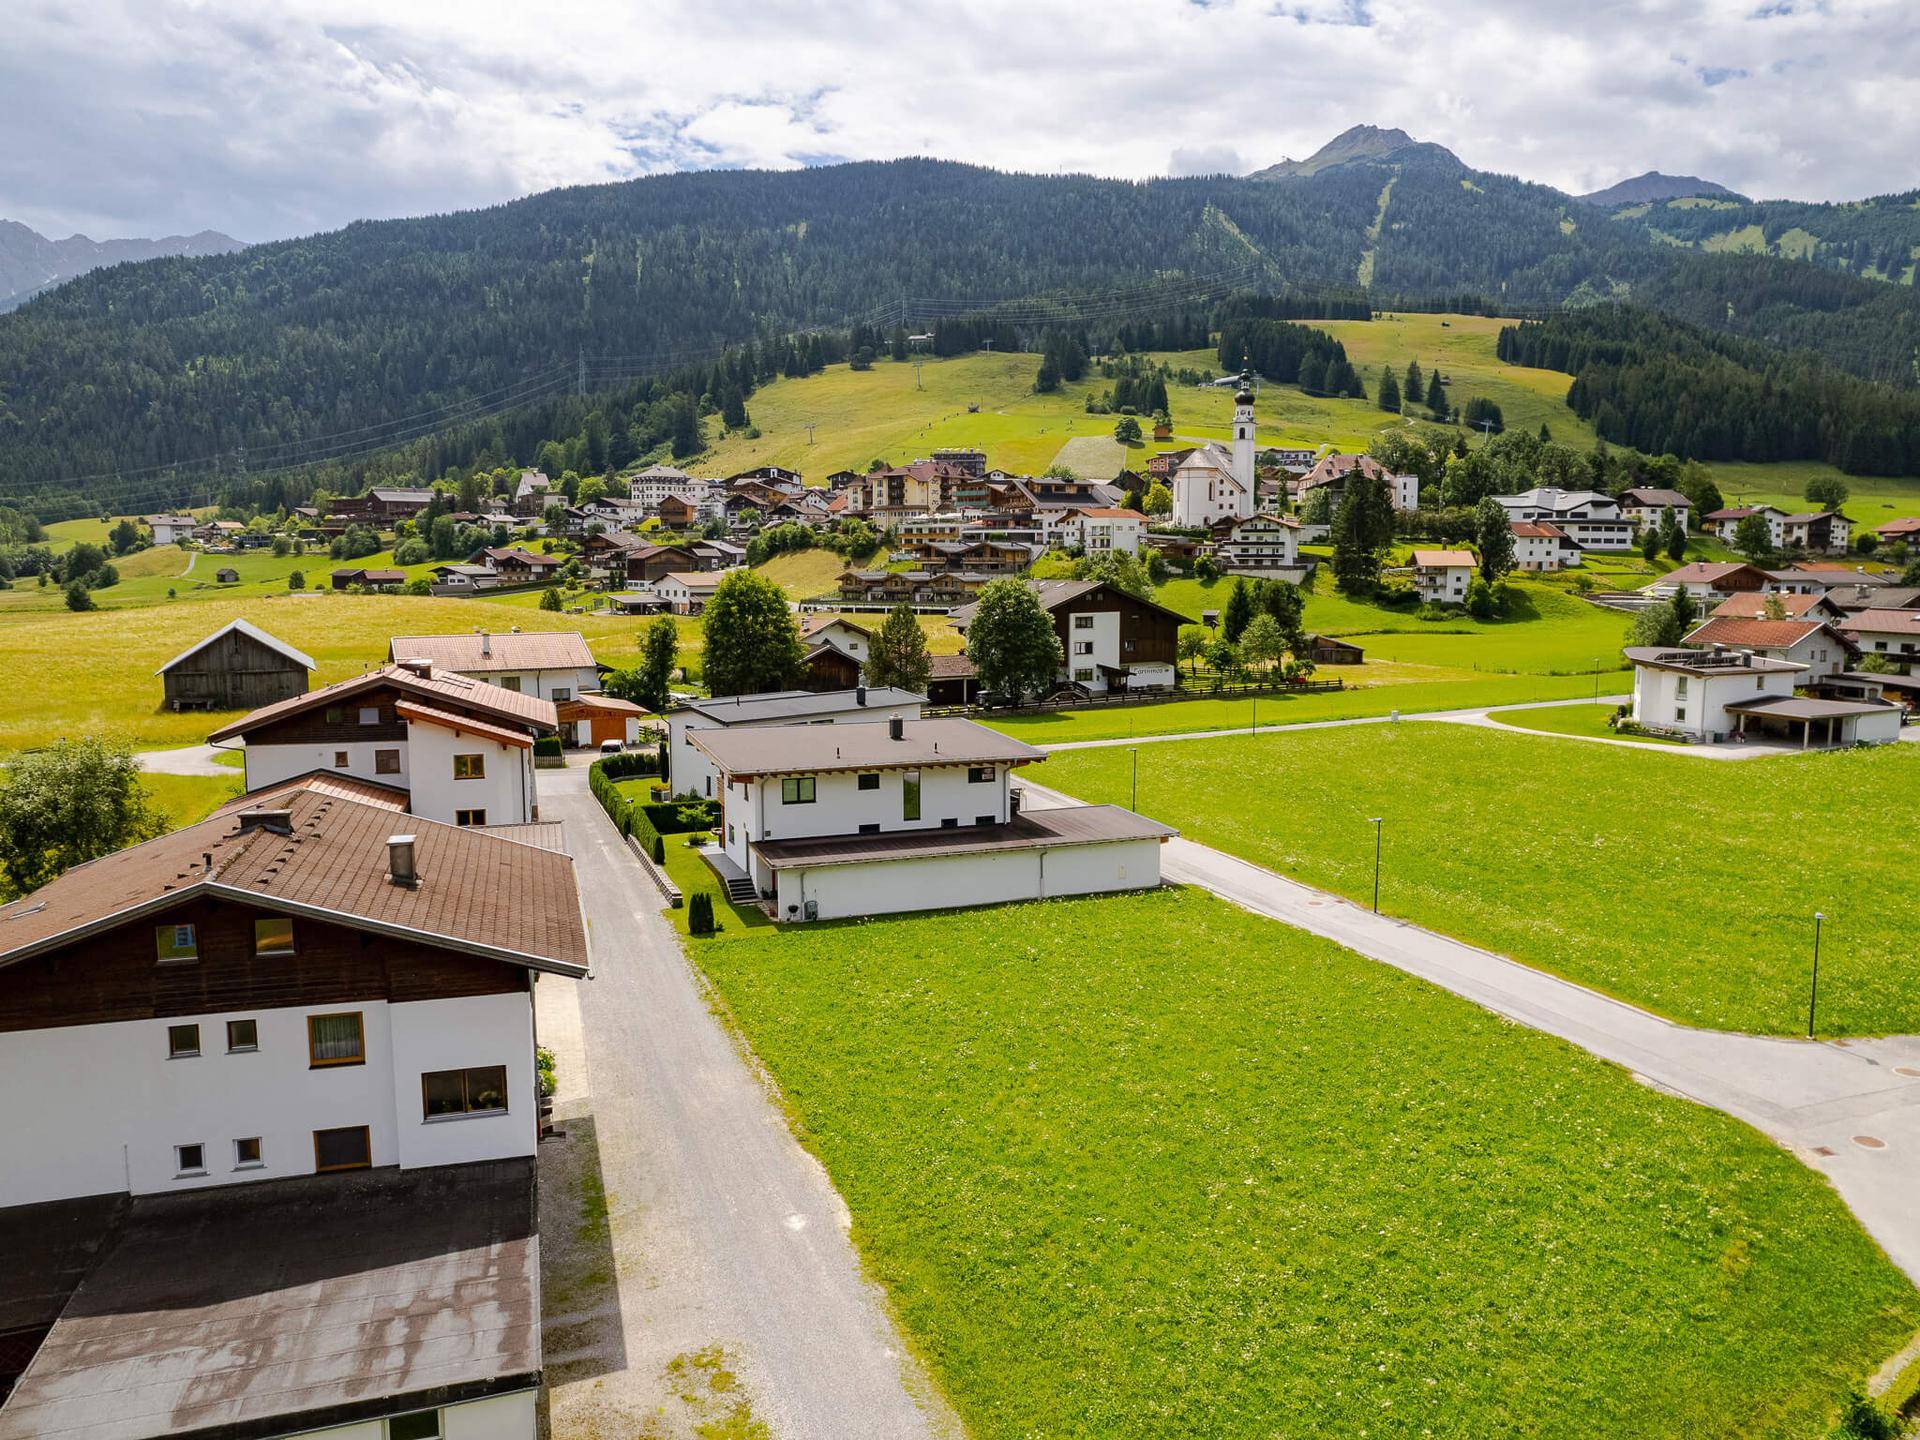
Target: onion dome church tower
{"points": [[1243, 430]]}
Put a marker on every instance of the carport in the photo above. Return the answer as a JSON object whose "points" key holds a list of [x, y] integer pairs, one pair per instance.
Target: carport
{"points": [[1820, 724]]}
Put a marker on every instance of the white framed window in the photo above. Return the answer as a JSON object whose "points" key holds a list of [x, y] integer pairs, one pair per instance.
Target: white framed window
{"points": [[246, 1153], [190, 1159], [797, 790]]}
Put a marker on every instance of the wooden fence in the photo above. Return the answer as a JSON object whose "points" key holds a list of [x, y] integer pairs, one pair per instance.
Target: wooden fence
{"points": [[1208, 689]]}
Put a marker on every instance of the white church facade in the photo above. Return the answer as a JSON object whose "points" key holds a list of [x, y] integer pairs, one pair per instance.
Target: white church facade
{"points": [[1214, 483]]}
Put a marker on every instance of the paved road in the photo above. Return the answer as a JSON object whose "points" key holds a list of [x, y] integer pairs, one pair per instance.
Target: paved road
{"points": [[734, 1234], [1818, 1099], [187, 760]]}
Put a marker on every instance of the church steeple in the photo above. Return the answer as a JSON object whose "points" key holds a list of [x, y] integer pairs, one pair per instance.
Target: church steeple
{"points": [[1243, 438]]}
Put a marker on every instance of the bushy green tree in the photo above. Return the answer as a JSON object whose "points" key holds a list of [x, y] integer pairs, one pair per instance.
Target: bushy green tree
{"points": [[659, 649], [1263, 643], [752, 642], [1158, 501], [1493, 534], [1119, 568], [1239, 612], [898, 655], [79, 597], [71, 802], [1190, 644], [1752, 538], [1829, 492], [1012, 643], [1127, 430]]}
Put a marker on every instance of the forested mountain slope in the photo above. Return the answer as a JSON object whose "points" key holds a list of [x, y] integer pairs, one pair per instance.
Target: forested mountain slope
{"points": [[31, 262]]}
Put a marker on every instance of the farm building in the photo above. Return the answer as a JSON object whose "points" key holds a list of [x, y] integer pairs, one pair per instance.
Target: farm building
{"points": [[1331, 650], [226, 575], [238, 667]]}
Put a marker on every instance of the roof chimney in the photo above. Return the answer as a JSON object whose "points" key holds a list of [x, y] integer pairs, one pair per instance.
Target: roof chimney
{"points": [[280, 822], [896, 728], [400, 866], [860, 695], [486, 643], [415, 665]]}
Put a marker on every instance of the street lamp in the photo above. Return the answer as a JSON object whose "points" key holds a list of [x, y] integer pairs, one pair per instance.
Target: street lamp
{"points": [[1813, 994], [1135, 753], [1376, 862], [1256, 714]]}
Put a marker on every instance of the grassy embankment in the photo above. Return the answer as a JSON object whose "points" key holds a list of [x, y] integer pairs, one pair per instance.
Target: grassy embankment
{"points": [[1211, 1176]]}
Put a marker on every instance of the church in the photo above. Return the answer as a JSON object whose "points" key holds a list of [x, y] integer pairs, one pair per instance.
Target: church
{"points": [[1213, 483]]}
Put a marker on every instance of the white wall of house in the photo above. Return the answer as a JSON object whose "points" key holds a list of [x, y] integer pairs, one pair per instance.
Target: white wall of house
{"points": [[558, 684], [692, 770], [1446, 584], [505, 791], [121, 1105], [270, 764], [1644, 515], [843, 637], [497, 1417], [1536, 552], [755, 809], [1261, 544], [1093, 640], [889, 887], [1696, 705]]}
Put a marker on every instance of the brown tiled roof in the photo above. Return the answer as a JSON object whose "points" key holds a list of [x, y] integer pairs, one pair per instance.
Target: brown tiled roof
{"points": [[950, 667], [1655, 495], [322, 782], [1704, 572], [462, 724], [1884, 622], [467, 653], [504, 704], [1443, 559], [1537, 530], [1906, 525], [1737, 632], [1752, 605], [1030, 830], [477, 893], [813, 624], [859, 745]]}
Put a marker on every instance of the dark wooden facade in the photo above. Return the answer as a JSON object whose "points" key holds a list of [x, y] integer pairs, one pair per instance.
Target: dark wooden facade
{"points": [[1148, 632], [233, 671], [831, 668], [116, 975]]}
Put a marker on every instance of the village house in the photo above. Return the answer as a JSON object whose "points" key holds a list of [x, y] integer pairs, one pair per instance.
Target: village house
{"points": [[383, 507], [517, 566], [689, 769], [455, 750], [1710, 696], [1442, 576], [592, 719], [1906, 529], [1711, 581], [456, 577], [1825, 532], [1592, 520], [1813, 644], [532, 495], [170, 529], [1893, 635], [297, 1098], [1644, 505], [911, 587], [824, 822], [1332, 650], [952, 680], [1100, 530], [547, 664], [349, 577], [1109, 640], [1329, 477], [1257, 544], [1725, 522], [839, 632], [686, 592], [238, 667], [1540, 546], [1776, 605]]}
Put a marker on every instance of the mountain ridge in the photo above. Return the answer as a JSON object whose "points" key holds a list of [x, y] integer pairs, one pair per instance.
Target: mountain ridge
{"points": [[31, 263], [1652, 187], [1358, 144]]}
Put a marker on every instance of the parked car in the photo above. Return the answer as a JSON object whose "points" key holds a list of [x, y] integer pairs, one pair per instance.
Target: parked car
{"points": [[611, 747]]}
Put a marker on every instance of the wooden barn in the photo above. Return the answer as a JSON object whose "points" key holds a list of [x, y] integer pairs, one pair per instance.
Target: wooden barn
{"points": [[1328, 650], [238, 667]]}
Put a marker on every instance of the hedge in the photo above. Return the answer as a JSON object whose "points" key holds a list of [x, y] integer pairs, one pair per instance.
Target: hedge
{"points": [[548, 745]]}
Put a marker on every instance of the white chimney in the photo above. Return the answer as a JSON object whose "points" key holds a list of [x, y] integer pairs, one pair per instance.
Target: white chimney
{"points": [[400, 866], [486, 643]]}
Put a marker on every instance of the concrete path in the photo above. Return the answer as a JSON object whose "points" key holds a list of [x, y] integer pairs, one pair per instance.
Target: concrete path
{"points": [[1850, 1109], [722, 1229], [187, 760]]}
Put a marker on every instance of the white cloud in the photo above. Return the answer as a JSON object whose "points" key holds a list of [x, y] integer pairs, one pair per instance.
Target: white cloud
{"points": [[144, 116]]}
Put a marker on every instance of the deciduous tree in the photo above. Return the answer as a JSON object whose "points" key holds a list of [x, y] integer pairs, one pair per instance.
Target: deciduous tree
{"points": [[1012, 642], [73, 801], [1493, 533], [752, 643], [898, 655]]}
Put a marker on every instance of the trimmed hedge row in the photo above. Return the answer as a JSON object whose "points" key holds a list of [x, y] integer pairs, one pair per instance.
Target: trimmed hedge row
{"points": [[628, 818]]}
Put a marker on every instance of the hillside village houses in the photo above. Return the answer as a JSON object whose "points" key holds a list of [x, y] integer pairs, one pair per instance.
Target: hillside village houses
{"points": [[1329, 476], [1109, 640], [826, 822], [1442, 576], [1643, 506], [453, 749], [1258, 544], [286, 1181], [1725, 522], [1592, 520], [170, 529]]}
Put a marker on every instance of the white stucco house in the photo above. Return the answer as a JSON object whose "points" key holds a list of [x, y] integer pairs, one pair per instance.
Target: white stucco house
{"points": [[824, 822], [691, 772], [1812, 643], [1100, 529], [457, 750], [1643, 505], [547, 664], [1718, 695], [1442, 576], [1540, 546], [851, 640], [1725, 522], [1592, 519], [1258, 544]]}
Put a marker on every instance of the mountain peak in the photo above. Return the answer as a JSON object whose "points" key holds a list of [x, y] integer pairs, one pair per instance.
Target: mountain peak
{"points": [[1654, 187], [1358, 144]]}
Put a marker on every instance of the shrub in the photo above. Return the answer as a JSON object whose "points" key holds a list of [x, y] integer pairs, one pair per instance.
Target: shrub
{"points": [[548, 745], [1860, 1418], [700, 914], [79, 597], [297, 580], [659, 851], [543, 1065]]}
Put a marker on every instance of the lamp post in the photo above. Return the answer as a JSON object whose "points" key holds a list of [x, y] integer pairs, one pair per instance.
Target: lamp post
{"points": [[1376, 862], [1813, 994], [1256, 714], [1596, 679], [1135, 753]]}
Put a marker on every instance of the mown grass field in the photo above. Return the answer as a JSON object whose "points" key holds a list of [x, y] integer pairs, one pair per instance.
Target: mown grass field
{"points": [[1587, 720], [1151, 1166], [1676, 883], [183, 799]]}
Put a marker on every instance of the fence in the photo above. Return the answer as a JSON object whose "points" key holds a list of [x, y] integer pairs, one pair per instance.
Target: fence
{"points": [[1212, 688]]}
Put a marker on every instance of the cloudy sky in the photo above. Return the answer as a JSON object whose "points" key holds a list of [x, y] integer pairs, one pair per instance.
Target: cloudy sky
{"points": [[266, 118]]}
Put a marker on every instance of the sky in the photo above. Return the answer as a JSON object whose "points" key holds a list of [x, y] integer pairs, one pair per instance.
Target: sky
{"points": [[269, 118]]}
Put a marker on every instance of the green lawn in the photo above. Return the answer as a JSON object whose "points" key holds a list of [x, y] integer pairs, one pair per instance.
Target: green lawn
{"points": [[184, 799], [1589, 720], [1151, 1166], [1679, 884]]}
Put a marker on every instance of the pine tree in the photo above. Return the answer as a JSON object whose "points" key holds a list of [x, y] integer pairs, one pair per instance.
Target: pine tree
{"points": [[1415, 388], [898, 654], [1437, 398], [1389, 391], [1239, 610]]}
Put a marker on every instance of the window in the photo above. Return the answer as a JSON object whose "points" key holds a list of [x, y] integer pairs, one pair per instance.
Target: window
{"points": [[469, 817], [1083, 622], [1083, 674], [386, 762], [273, 936], [182, 1041], [509, 682], [869, 782], [562, 692], [797, 790], [480, 1090], [470, 767], [335, 714], [1083, 647], [190, 1159], [175, 942], [369, 714], [246, 1153], [421, 1425], [335, 1040], [339, 759], [909, 794], [980, 774], [347, 1148], [242, 1035]]}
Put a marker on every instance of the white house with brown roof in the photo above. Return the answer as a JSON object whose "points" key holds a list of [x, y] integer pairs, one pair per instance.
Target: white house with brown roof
{"points": [[1822, 532], [686, 592], [170, 529], [1643, 505], [1542, 546], [1893, 635], [547, 664], [1331, 473], [1442, 576], [1099, 529], [294, 1045], [1808, 642], [1725, 522], [824, 822], [455, 749], [1258, 544]]}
